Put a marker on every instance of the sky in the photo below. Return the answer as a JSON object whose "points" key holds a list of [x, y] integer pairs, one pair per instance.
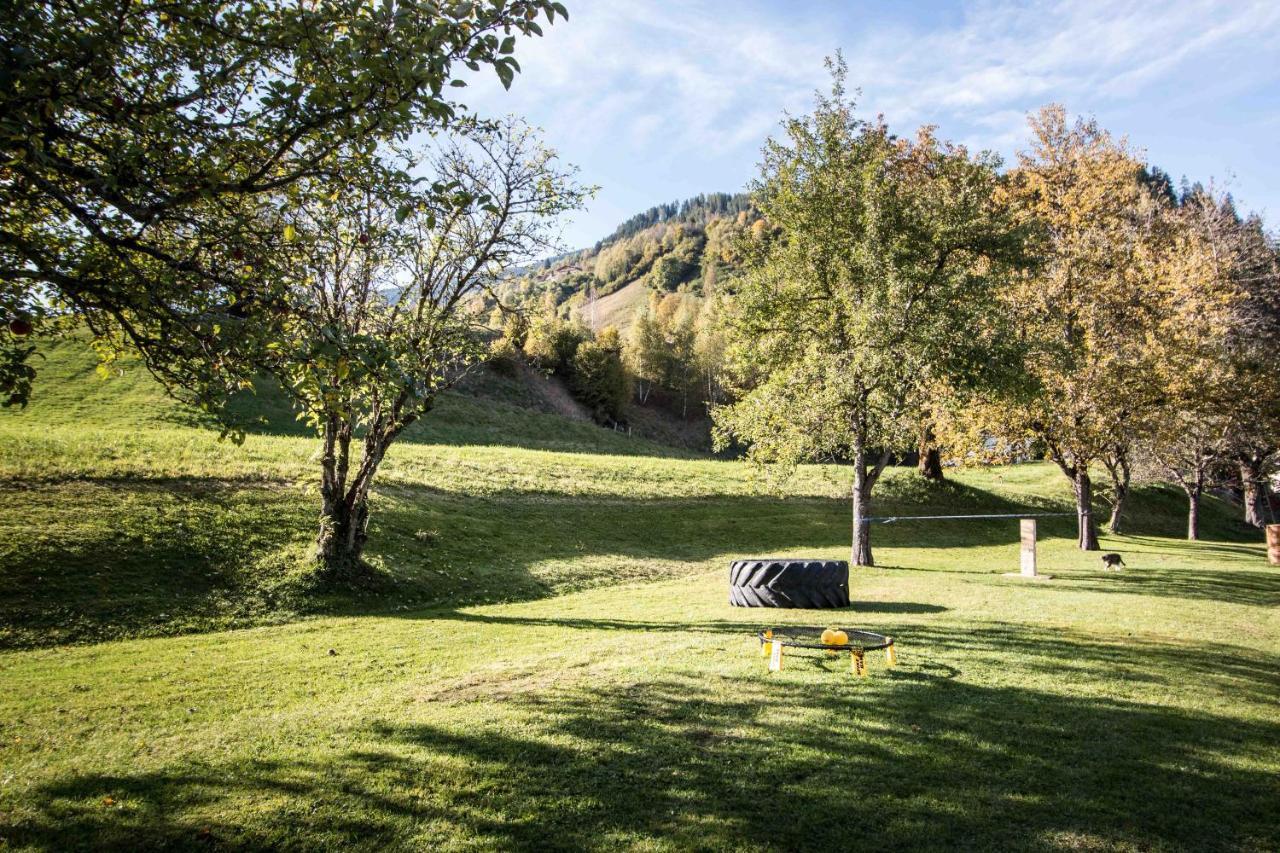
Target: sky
{"points": [[659, 100]]}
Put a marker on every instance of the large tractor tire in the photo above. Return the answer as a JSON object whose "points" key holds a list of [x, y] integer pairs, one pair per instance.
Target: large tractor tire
{"points": [[768, 582]]}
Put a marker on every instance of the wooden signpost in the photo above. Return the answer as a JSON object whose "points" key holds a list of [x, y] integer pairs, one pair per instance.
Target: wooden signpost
{"points": [[1028, 565]]}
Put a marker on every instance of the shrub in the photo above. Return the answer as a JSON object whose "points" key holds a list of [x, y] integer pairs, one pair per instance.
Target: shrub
{"points": [[503, 356], [552, 344], [599, 379]]}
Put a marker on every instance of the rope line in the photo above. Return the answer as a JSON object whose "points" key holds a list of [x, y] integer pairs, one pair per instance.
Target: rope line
{"points": [[889, 519]]}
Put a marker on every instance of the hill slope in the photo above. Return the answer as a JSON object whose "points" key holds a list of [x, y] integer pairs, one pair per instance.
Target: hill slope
{"points": [[123, 515], [487, 409], [551, 639], [681, 246]]}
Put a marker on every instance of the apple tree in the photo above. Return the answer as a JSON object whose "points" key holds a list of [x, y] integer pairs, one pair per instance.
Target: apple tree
{"points": [[149, 153], [873, 279], [389, 300]]}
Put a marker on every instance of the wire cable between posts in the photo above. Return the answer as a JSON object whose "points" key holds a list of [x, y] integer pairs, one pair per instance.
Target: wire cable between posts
{"points": [[889, 519]]}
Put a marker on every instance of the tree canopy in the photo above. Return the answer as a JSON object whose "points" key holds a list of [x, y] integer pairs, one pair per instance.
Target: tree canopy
{"points": [[878, 278], [152, 156]]}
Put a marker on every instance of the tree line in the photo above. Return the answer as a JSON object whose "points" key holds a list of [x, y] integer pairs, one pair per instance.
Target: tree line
{"points": [[1074, 307], [696, 210]]}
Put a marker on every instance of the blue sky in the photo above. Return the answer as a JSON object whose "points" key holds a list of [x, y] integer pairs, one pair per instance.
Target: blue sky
{"points": [[657, 101]]}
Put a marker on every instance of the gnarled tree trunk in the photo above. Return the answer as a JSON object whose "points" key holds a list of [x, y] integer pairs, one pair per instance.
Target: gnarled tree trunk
{"points": [[1254, 490], [1118, 468], [344, 513], [930, 464]]}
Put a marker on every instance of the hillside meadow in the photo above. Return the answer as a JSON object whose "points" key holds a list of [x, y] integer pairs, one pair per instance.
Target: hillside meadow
{"points": [[545, 657]]}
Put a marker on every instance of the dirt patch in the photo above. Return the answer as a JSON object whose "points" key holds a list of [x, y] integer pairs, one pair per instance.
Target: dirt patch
{"points": [[553, 393]]}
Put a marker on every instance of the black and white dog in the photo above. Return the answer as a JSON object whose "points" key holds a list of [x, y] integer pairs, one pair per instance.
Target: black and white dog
{"points": [[1112, 561]]}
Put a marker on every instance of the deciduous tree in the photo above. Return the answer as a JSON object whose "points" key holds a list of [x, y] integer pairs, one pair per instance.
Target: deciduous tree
{"points": [[383, 318], [878, 273], [1086, 311], [151, 152], [1217, 351]]}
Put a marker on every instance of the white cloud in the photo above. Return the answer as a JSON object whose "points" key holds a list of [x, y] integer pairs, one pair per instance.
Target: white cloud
{"points": [[696, 86]]}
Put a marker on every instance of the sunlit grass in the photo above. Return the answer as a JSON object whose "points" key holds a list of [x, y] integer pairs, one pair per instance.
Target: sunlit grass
{"points": [[549, 660]]}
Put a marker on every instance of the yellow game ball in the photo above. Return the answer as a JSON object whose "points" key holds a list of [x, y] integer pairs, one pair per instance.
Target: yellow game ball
{"points": [[839, 638], [829, 637]]}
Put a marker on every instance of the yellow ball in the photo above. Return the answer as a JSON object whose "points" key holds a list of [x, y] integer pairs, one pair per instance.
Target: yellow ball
{"points": [[839, 638], [829, 637]]}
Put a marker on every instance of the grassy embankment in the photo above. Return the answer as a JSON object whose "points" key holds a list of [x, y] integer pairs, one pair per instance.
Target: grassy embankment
{"points": [[550, 660]]}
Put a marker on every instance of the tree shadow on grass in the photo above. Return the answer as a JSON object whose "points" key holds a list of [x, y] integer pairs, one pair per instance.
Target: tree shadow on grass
{"points": [[1227, 551], [912, 759], [98, 559], [1261, 588], [751, 618], [94, 560]]}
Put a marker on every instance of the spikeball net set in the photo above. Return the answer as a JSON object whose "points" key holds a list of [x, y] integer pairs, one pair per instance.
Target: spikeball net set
{"points": [[829, 641]]}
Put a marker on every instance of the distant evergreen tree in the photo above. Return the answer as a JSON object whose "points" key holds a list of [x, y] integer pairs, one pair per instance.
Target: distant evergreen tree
{"points": [[696, 210]]}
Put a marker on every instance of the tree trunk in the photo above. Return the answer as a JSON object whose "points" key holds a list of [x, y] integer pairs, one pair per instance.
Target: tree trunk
{"points": [[930, 465], [344, 513], [1193, 512], [1120, 472], [343, 532], [1087, 536], [1253, 486], [864, 480], [861, 551]]}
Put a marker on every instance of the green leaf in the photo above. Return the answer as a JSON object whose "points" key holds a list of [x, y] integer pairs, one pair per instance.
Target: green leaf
{"points": [[508, 45], [505, 74], [290, 233]]}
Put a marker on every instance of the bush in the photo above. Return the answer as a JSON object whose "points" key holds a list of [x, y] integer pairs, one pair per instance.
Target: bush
{"points": [[599, 379], [503, 356], [552, 344]]}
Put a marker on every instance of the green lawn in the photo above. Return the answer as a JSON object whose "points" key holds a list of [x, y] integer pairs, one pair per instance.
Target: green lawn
{"points": [[548, 660]]}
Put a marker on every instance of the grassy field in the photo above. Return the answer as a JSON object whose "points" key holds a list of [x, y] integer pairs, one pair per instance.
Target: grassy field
{"points": [[548, 659]]}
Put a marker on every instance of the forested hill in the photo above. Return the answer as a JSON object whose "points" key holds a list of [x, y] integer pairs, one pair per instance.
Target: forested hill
{"points": [[682, 246], [695, 211]]}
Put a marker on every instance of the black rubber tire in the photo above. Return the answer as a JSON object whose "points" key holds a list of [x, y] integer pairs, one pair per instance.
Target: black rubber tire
{"points": [[769, 582]]}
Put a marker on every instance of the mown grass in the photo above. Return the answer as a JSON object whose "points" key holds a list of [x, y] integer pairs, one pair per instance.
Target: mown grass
{"points": [[549, 660]]}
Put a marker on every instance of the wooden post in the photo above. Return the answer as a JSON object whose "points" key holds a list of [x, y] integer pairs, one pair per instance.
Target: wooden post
{"points": [[1273, 544], [1028, 526]]}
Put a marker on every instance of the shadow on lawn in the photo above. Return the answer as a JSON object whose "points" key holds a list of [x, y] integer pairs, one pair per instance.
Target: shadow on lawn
{"points": [[687, 759], [106, 558], [1234, 586], [1237, 581], [751, 618], [175, 557]]}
